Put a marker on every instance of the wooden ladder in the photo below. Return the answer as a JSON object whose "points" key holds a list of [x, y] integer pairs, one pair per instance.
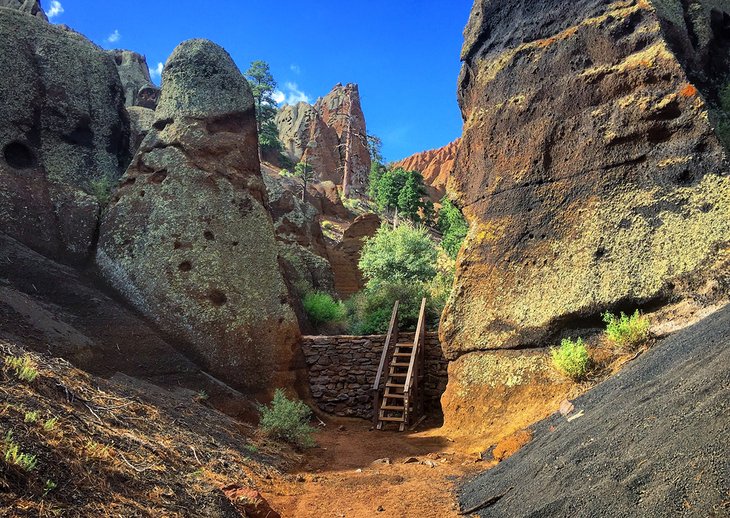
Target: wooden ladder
{"points": [[402, 398]]}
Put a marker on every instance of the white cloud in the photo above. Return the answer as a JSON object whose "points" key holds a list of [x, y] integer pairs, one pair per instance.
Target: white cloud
{"points": [[291, 94], [114, 36], [156, 72], [55, 10], [296, 69]]}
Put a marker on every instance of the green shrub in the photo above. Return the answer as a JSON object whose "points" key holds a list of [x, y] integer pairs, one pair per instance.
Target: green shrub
{"points": [[14, 456], [571, 358], [627, 332], [453, 227], [405, 254], [23, 367], [30, 417], [101, 189], [50, 424], [321, 308], [287, 420]]}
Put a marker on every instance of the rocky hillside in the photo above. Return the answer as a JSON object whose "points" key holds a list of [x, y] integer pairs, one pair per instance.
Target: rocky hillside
{"points": [[436, 166], [331, 135]]}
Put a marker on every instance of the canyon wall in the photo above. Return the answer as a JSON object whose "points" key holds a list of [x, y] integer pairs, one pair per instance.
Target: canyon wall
{"points": [[436, 166], [590, 168]]}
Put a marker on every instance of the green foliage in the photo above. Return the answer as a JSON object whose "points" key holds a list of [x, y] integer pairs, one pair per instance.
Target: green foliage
{"points": [[398, 188], [14, 456], [30, 417], [375, 146], [369, 310], [453, 227], [439, 288], [377, 170], [305, 173], [263, 87], [50, 424], [627, 332], [49, 486], [23, 367], [321, 308], [287, 420], [101, 189], [410, 197], [405, 254], [571, 358]]}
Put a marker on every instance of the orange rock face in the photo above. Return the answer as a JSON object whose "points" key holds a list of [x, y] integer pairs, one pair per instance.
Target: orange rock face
{"points": [[436, 166]]}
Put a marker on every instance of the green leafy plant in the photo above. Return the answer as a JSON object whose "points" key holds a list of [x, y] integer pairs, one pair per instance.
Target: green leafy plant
{"points": [[322, 308], [49, 486], [287, 420], [50, 424], [23, 367], [201, 395], [30, 417], [571, 358], [101, 189], [627, 332], [14, 456], [405, 254], [369, 310], [453, 227]]}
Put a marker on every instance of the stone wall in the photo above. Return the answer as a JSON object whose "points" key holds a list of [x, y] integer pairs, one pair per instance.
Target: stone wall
{"points": [[342, 370]]}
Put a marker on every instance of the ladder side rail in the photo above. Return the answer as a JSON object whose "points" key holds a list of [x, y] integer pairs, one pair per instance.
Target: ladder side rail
{"points": [[377, 384]]}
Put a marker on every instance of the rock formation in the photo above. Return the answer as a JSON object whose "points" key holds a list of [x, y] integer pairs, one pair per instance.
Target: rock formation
{"points": [[331, 135], [32, 7], [589, 169], [435, 165], [345, 256], [188, 239], [135, 76], [140, 123], [63, 135]]}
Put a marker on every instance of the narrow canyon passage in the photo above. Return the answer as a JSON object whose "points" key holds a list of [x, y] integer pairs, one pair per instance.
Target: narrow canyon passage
{"points": [[348, 474]]}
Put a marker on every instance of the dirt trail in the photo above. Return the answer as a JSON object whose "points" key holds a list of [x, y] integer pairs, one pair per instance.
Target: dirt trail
{"points": [[338, 479]]}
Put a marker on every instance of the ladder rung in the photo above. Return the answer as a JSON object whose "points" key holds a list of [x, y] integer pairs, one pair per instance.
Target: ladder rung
{"points": [[391, 407], [400, 364], [393, 419], [402, 354], [396, 385], [398, 374], [394, 396], [405, 345]]}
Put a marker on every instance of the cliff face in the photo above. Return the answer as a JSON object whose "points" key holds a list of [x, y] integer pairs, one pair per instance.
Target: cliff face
{"points": [[331, 135], [589, 169], [135, 76], [436, 166]]}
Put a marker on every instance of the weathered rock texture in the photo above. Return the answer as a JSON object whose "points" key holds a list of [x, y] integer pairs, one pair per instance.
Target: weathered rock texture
{"points": [[342, 371], [32, 7], [135, 76], [346, 254], [63, 132], [588, 169], [140, 123], [331, 135], [435, 165], [188, 239]]}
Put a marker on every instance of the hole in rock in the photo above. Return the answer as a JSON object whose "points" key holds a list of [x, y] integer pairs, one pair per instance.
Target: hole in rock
{"points": [[157, 177], [185, 266], [18, 155], [208, 235], [217, 297], [684, 178]]}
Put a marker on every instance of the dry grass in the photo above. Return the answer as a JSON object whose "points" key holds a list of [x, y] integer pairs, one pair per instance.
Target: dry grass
{"points": [[83, 446]]}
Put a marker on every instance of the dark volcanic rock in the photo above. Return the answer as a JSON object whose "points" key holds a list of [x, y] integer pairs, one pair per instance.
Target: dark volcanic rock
{"points": [[63, 135], [589, 170], [188, 239], [651, 441], [135, 76], [32, 7]]}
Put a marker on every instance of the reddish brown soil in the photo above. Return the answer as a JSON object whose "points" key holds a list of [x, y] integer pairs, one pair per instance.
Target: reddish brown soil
{"points": [[340, 479]]}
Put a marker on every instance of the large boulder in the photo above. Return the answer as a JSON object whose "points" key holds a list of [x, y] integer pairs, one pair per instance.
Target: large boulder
{"points": [[188, 239], [63, 135], [589, 169], [31, 7], [135, 75]]}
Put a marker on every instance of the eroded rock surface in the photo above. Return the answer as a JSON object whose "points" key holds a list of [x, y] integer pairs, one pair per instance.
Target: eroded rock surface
{"points": [[331, 135], [188, 239], [345, 256], [135, 76], [31, 7], [436, 166], [589, 170], [63, 135]]}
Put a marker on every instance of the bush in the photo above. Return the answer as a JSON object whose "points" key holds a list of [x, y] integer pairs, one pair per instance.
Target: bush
{"points": [[627, 332], [321, 308], [287, 420], [571, 358], [101, 189], [453, 226], [403, 255]]}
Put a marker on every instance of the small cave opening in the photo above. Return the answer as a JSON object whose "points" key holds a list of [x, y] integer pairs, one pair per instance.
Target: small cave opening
{"points": [[208, 235], [217, 297], [18, 155], [185, 266]]}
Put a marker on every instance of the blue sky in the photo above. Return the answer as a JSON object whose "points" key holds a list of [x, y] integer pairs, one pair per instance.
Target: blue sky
{"points": [[404, 54]]}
